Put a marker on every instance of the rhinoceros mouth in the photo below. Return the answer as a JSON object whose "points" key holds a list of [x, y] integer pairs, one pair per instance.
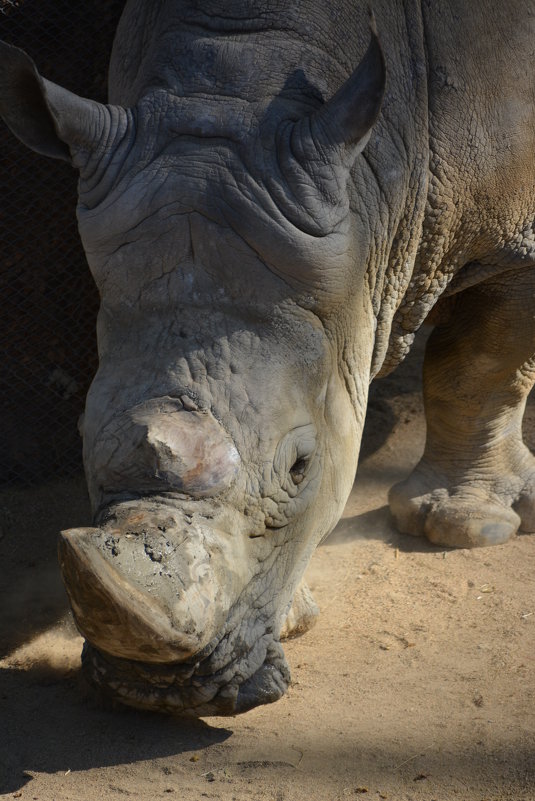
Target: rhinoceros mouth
{"points": [[260, 676]]}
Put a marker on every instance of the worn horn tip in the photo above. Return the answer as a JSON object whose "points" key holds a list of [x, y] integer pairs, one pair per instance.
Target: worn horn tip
{"points": [[76, 538], [78, 533]]}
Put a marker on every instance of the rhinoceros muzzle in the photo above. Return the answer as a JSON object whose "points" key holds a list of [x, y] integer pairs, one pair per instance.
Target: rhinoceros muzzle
{"points": [[192, 689], [159, 597]]}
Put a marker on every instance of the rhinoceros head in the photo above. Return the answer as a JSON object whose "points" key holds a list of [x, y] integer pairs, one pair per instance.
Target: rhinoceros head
{"points": [[221, 431]]}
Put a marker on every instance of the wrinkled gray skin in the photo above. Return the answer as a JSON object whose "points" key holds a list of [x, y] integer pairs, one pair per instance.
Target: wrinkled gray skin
{"points": [[267, 232]]}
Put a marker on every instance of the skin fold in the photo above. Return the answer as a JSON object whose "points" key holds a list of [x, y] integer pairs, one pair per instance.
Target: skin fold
{"points": [[273, 201]]}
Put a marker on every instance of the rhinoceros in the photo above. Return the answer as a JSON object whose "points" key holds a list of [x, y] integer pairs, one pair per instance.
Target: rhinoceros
{"points": [[275, 198]]}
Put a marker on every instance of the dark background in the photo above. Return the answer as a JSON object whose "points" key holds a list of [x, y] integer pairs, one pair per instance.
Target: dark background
{"points": [[48, 301]]}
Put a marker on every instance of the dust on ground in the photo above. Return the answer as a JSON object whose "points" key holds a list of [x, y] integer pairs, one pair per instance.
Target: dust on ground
{"points": [[416, 684]]}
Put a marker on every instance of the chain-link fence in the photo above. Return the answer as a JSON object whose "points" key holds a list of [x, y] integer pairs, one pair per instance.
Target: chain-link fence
{"points": [[48, 300]]}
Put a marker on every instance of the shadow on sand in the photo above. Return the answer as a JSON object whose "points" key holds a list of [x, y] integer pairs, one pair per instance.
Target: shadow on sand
{"points": [[64, 729], [377, 524], [63, 733]]}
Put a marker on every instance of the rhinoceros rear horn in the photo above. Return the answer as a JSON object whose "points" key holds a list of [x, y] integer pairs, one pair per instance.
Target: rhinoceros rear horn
{"points": [[47, 118]]}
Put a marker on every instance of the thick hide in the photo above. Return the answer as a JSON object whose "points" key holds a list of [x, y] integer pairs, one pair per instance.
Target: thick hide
{"points": [[273, 201]]}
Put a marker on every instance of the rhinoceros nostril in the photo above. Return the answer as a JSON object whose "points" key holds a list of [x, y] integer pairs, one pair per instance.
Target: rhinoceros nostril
{"points": [[165, 444], [188, 403]]}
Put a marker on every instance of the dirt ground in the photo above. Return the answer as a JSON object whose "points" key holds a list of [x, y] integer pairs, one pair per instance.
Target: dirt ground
{"points": [[416, 684]]}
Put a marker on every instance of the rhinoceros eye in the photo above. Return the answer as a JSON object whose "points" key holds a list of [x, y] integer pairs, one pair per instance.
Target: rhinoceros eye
{"points": [[293, 460], [297, 470]]}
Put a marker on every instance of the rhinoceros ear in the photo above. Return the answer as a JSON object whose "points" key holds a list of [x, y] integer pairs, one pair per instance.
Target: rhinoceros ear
{"points": [[47, 118], [345, 121], [316, 153]]}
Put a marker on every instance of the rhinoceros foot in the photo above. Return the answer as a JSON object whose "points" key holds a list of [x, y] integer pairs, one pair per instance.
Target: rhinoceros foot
{"points": [[467, 514], [303, 614]]}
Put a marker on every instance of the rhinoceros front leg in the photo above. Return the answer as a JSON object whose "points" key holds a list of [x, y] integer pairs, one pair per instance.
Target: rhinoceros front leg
{"points": [[303, 613], [475, 484]]}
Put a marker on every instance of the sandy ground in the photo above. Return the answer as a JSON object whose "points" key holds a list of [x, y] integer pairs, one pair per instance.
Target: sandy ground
{"points": [[416, 684]]}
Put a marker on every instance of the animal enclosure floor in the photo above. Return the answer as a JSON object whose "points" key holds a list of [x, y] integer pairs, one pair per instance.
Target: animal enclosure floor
{"points": [[417, 683]]}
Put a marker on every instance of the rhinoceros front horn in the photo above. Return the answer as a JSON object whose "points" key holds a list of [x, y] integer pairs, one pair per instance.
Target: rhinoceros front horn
{"points": [[149, 585], [112, 611]]}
